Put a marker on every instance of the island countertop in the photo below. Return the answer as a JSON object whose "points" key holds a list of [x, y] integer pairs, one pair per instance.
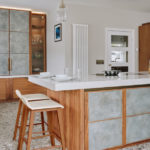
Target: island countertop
{"points": [[93, 81], [98, 119]]}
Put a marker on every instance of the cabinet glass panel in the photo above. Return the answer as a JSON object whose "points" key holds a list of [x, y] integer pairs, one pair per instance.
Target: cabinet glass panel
{"points": [[38, 43], [119, 41], [119, 56]]}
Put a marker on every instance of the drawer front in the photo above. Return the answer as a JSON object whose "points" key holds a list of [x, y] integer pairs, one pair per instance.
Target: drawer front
{"points": [[138, 128], [105, 134], [105, 105], [138, 101]]}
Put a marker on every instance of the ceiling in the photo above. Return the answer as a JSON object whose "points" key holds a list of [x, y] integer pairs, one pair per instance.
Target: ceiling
{"points": [[135, 5]]}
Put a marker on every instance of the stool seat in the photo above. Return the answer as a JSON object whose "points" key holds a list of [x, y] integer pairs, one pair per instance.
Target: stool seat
{"points": [[44, 104], [38, 96], [31, 105]]}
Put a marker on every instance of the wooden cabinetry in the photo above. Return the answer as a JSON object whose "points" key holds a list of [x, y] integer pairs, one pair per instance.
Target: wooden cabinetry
{"points": [[3, 89], [14, 42], [144, 47], [8, 87], [26, 87], [22, 42], [38, 57]]}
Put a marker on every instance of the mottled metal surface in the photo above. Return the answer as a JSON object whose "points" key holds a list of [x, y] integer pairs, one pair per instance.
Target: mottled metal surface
{"points": [[4, 19], [105, 134], [104, 105], [20, 64], [19, 42], [138, 101], [4, 42], [19, 21], [138, 128], [4, 64]]}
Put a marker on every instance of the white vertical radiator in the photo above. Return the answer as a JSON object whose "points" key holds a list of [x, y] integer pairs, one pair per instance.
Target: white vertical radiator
{"points": [[80, 50]]}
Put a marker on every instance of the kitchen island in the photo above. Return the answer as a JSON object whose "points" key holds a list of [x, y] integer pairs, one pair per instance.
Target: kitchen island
{"points": [[101, 112]]}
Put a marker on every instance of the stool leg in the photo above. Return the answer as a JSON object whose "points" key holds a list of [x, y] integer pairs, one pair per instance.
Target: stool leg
{"points": [[17, 119], [61, 128], [50, 128], [30, 130], [23, 127], [42, 121]]}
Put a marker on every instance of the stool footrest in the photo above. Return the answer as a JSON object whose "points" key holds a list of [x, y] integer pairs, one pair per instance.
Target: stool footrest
{"points": [[40, 132], [46, 148], [39, 137]]}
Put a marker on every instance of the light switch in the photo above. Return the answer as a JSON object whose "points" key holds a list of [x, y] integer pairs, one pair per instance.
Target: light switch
{"points": [[99, 62]]}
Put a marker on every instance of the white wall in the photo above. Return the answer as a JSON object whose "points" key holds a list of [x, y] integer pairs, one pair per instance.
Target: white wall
{"points": [[55, 50], [98, 19]]}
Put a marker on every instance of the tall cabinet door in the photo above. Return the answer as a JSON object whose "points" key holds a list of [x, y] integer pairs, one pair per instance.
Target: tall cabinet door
{"points": [[4, 41], [19, 42]]}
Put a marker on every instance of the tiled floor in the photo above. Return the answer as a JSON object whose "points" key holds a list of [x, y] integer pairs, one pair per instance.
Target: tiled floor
{"points": [[8, 113]]}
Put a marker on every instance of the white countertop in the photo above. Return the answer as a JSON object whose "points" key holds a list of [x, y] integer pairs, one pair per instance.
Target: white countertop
{"points": [[93, 81], [17, 76]]}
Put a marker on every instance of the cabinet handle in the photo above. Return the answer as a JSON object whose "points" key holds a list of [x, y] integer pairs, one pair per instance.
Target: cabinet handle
{"points": [[9, 64]]}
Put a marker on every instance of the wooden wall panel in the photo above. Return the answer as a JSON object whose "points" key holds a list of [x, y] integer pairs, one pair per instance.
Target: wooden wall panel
{"points": [[144, 47], [3, 89], [72, 116], [26, 87]]}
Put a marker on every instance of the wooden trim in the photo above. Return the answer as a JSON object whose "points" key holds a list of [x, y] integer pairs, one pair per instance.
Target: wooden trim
{"points": [[86, 128], [82, 119], [44, 42], [9, 56], [116, 88], [128, 116], [30, 44], [140, 42], [124, 117], [105, 120]]}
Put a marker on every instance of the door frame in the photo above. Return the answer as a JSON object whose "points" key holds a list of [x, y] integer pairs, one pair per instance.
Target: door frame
{"points": [[131, 64]]}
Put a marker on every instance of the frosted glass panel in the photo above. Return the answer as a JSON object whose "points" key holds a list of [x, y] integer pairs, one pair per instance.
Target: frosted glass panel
{"points": [[119, 56], [119, 41]]}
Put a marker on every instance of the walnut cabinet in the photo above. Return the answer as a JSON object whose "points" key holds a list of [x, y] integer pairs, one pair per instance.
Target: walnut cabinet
{"points": [[9, 85]]}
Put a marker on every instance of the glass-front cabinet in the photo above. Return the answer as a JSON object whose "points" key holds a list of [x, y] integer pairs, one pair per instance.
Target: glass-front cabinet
{"points": [[119, 50], [38, 43]]}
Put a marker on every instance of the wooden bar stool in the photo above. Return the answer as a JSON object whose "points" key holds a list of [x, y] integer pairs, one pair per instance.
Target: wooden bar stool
{"points": [[30, 97], [39, 106]]}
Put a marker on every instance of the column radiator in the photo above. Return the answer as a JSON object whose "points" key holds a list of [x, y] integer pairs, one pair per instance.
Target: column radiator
{"points": [[80, 50]]}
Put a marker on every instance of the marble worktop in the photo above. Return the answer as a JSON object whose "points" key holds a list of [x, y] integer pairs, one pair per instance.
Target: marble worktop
{"points": [[14, 76], [93, 81]]}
